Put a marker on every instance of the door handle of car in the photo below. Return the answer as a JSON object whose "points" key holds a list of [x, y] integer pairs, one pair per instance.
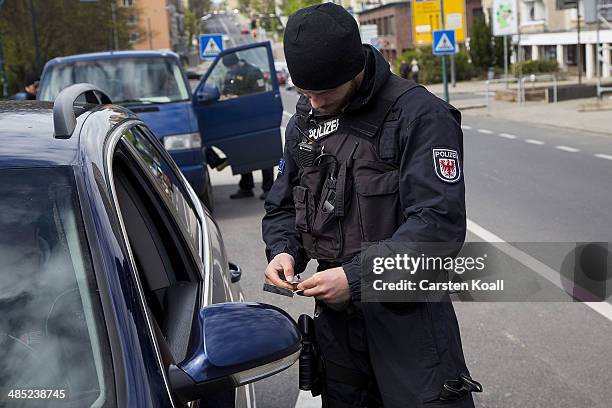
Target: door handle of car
{"points": [[235, 272]]}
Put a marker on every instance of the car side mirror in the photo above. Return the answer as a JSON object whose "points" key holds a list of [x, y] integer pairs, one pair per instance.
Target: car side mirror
{"points": [[208, 94], [235, 344]]}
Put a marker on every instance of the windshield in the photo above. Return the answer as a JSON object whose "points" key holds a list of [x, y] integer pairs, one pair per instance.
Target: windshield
{"points": [[50, 313], [125, 80]]}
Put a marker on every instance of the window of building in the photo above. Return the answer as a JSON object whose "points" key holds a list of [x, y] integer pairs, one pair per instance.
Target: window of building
{"points": [[128, 3], [132, 19], [550, 52], [133, 38], [532, 11]]}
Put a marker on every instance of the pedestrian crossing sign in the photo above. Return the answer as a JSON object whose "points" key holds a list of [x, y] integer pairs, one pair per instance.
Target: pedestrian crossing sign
{"points": [[444, 42], [211, 45]]}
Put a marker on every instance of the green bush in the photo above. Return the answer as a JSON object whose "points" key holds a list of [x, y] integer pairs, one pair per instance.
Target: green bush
{"points": [[430, 66], [536, 67]]}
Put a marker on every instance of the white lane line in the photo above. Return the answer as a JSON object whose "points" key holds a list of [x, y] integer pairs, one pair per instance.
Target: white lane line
{"points": [[507, 135], [533, 141], [603, 308], [466, 127], [485, 131], [306, 400], [567, 149], [287, 114], [604, 156]]}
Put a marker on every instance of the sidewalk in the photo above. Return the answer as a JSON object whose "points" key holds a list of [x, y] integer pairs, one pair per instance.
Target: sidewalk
{"points": [[562, 114], [470, 98]]}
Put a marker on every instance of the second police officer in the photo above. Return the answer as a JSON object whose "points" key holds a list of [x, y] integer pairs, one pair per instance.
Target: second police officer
{"points": [[243, 78], [359, 167]]}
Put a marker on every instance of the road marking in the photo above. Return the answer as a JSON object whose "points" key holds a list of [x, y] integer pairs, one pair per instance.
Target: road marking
{"points": [[287, 114], [567, 149], [306, 400], [507, 135], [603, 308], [604, 156], [485, 131], [533, 141], [466, 127]]}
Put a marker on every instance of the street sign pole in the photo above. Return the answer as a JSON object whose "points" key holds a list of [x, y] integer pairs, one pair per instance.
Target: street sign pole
{"points": [[444, 78], [579, 47], [506, 60], [2, 70]]}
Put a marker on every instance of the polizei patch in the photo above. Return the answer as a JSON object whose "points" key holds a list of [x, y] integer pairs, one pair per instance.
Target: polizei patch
{"points": [[324, 129], [446, 164]]}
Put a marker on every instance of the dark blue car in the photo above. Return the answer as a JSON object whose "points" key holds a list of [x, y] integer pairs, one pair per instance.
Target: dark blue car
{"points": [[115, 289], [153, 84]]}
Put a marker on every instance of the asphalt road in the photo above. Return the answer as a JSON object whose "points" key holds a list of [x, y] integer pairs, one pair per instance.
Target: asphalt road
{"points": [[524, 184]]}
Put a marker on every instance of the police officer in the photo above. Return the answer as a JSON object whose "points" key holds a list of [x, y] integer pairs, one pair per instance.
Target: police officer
{"points": [[242, 79], [359, 167], [30, 88]]}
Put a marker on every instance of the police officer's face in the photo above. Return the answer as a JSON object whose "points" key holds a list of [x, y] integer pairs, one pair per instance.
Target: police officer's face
{"points": [[336, 99]]}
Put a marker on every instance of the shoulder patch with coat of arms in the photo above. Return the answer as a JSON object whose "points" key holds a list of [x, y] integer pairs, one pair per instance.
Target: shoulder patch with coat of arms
{"points": [[446, 164]]}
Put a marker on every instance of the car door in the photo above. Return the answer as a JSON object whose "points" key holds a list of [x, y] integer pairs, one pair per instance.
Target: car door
{"points": [[244, 125], [165, 232]]}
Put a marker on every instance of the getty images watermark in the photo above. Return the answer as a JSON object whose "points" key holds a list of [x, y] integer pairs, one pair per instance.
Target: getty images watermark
{"points": [[422, 264], [480, 271]]}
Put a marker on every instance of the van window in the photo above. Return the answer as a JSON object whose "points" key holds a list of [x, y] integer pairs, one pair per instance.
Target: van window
{"points": [[124, 80]]}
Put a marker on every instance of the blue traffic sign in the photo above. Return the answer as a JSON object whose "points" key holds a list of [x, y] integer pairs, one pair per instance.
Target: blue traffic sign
{"points": [[444, 42], [211, 45]]}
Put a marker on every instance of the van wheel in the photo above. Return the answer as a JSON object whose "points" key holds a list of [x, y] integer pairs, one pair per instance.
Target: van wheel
{"points": [[206, 196]]}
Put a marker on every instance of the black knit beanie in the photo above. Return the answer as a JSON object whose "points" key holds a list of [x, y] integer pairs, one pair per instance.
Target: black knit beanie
{"points": [[323, 47]]}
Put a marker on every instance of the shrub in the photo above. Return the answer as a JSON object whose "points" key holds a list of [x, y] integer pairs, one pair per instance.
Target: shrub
{"points": [[536, 67], [430, 66]]}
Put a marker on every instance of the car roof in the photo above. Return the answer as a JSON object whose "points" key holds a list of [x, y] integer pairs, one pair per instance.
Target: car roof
{"points": [[26, 135], [112, 55]]}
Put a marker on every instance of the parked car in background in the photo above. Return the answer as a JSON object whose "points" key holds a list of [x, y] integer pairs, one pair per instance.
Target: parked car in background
{"points": [[282, 73], [153, 84], [115, 287]]}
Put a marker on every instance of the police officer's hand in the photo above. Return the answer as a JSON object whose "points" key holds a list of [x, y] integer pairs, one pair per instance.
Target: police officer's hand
{"points": [[279, 270], [330, 286]]}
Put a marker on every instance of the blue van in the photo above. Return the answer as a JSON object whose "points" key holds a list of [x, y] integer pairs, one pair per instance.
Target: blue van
{"points": [[153, 84]]}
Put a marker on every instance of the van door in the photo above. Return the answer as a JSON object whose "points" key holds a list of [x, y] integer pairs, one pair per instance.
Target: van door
{"points": [[239, 108]]}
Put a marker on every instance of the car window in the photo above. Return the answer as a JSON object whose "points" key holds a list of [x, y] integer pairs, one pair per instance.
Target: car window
{"points": [[51, 333], [124, 80], [153, 212], [167, 184], [242, 73]]}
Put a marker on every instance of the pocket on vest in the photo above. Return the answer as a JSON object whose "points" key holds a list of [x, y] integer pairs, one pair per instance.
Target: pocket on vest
{"points": [[326, 227], [379, 205], [304, 208]]}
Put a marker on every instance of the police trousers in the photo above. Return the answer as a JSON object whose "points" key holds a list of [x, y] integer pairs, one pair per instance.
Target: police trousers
{"points": [[389, 355]]}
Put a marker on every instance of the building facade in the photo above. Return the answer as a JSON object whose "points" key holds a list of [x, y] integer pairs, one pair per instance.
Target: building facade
{"points": [[551, 34], [156, 24], [394, 24]]}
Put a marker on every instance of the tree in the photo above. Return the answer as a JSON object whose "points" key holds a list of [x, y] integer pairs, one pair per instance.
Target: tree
{"points": [[66, 27], [481, 50], [291, 6], [199, 7], [191, 27]]}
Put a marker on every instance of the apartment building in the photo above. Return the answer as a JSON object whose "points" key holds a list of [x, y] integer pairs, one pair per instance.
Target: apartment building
{"points": [[394, 23], [156, 24], [551, 34]]}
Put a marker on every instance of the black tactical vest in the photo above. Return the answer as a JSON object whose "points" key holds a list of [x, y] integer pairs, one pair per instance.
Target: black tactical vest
{"points": [[351, 194]]}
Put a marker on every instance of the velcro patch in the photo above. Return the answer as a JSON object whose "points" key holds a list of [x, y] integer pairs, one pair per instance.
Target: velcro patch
{"points": [[324, 129], [446, 164], [281, 166]]}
